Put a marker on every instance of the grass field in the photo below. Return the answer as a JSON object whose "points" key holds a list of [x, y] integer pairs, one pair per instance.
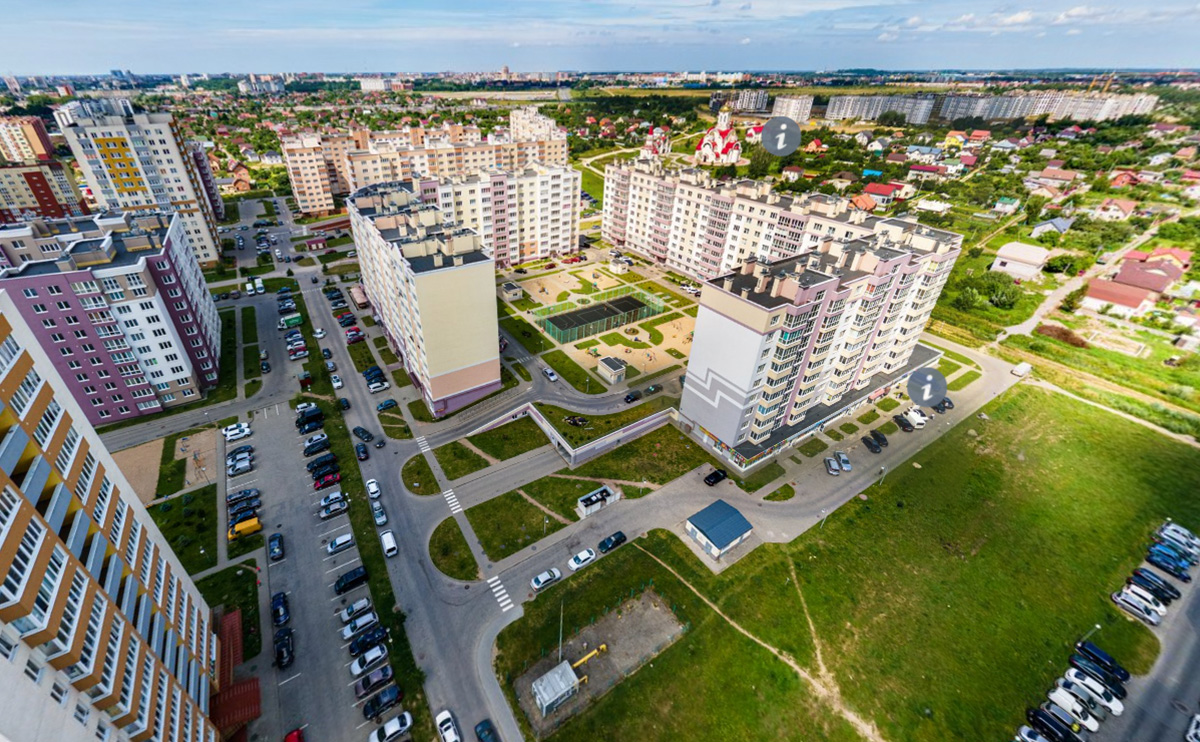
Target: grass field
{"points": [[249, 325], [457, 460], [888, 428], [418, 478], [245, 545], [887, 404], [812, 447], [620, 338], [848, 428], [651, 326], [523, 372], [237, 587], [601, 425], [172, 472], [786, 492], [657, 457], [868, 418], [944, 603], [572, 373], [508, 523], [450, 553], [559, 494], [947, 367], [394, 425], [189, 523], [511, 439], [961, 382]]}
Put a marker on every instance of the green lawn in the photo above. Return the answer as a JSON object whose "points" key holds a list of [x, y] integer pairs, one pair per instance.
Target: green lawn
{"points": [[246, 545], [249, 325], [450, 553], [620, 338], [418, 478], [572, 373], [887, 404], [961, 382], [252, 387], [172, 472], [394, 425], [812, 447], [189, 523], [361, 355], [250, 363], [511, 439], [526, 334], [601, 425], [870, 417], [833, 435], [400, 376], [676, 353], [958, 358], [587, 344], [947, 367], [657, 457], [559, 494], [761, 477], [522, 371], [658, 373], [786, 492], [237, 587], [888, 428], [848, 428], [458, 461], [508, 523]]}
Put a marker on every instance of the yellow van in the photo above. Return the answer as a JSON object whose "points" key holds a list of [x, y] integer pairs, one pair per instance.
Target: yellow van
{"points": [[245, 528]]}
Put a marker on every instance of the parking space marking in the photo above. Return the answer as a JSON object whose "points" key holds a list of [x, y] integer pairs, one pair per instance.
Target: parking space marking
{"points": [[452, 501], [281, 682], [500, 594], [331, 530], [423, 444], [347, 564], [360, 726], [272, 564]]}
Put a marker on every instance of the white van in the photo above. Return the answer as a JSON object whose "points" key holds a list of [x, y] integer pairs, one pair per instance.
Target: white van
{"points": [[1021, 369], [340, 544], [388, 539], [915, 417]]}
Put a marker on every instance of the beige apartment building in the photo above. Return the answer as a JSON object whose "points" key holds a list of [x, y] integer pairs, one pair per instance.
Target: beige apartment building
{"points": [[24, 139], [432, 285], [521, 215], [328, 165], [139, 161], [103, 634]]}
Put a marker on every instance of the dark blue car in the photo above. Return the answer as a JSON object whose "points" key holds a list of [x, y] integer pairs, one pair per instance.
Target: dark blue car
{"points": [[1103, 659]]}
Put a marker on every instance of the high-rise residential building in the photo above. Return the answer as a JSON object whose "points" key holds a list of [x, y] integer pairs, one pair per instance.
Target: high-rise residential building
{"points": [[38, 189], [521, 215], [12, 84], [324, 166], [432, 285], [140, 162], [1055, 104], [103, 634], [752, 99], [528, 124], [916, 108], [24, 139], [796, 107], [784, 347], [118, 302]]}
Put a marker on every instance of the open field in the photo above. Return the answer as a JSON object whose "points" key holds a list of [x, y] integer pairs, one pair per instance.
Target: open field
{"points": [[189, 524], [511, 439], [450, 553], [955, 613], [457, 460], [508, 523]]}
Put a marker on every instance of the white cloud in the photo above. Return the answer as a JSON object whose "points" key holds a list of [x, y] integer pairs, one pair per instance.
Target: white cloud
{"points": [[1078, 13], [913, 22], [887, 36], [745, 41], [1016, 19], [1074, 32]]}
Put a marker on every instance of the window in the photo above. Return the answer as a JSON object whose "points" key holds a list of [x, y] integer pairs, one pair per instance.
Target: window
{"points": [[48, 423], [82, 714], [24, 393], [51, 582], [30, 293], [18, 572], [33, 671], [8, 647], [9, 351]]}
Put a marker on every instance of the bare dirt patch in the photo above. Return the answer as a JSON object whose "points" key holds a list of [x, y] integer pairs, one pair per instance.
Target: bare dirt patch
{"points": [[200, 450], [634, 633], [140, 466]]}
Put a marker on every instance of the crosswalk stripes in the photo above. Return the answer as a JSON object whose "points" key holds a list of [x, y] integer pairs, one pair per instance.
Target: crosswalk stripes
{"points": [[452, 501], [423, 444], [501, 594]]}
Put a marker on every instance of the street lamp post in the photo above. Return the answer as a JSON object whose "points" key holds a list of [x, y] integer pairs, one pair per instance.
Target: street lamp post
{"points": [[823, 517], [882, 473], [1091, 631]]}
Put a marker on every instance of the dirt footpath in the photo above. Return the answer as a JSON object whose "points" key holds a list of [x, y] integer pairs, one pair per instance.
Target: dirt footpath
{"points": [[140, 466]]}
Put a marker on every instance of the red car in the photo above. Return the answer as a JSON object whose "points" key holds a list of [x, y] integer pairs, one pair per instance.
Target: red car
{"points": [[353, 330], [550, 265], [355, 339], [327, 481], [296, 735]]}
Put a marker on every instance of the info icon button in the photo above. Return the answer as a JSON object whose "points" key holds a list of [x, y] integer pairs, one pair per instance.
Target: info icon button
{"points": [[926, 387], [781, 136]]}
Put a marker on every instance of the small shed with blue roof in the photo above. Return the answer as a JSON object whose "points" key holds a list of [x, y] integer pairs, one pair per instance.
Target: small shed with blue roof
{"points": [[718, 528]]}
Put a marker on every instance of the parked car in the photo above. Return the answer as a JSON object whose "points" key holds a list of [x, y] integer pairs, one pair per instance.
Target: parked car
{"points": [[1146, 597], [447, 729], [1171, 568], [280, 614], [715, 476], [1160, 582], [363, 434], [381, 702], [1064, 717], [368, 639], [378, 513], [843, 460], [485, 731], [361, 452], [903, 423], [949, 405], [327, 481], [1028, 734], [379, 386], [1049, 726], [871, 444], [343, 403], [386, 405], [549, 374], [239, 468], [333, 509], [880, 438], [1098, 690], [368, 660], [1110, 681], [337, 381], [275, 547], [309, 427], [373, 490], [1193, 730], [1073, 706], [354, 610], [320, 471], [545, 579], [612, 542], [831, 466], [318, 333], [316, 448], [236, 432], [633, 396], [316, 438], [285, 648], [1084, 696], [581, 560], [358, 623], [240, 495], [1103, 659], [1132, 605]]}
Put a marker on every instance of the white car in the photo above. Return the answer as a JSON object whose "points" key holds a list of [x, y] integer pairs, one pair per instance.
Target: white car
{"points": [[378, 387], [1193, 730], [549, 374], [315, 439], [1074, 707], [447, 730], [332, 497], [1084, 697], [581, 560], [1136, 608], [1144, 595], [548, 577], [358, 607], [1026, 734], [1178, 540], [237, 432], [1181, 532], [305, 407], [318, 333], [392, 729], [372, 657], [337, 381], [1100, 693], [239, 468], [358, 624], [373, 490]]}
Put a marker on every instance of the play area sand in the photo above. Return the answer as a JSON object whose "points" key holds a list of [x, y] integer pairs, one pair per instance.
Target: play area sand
{"points": [[140, 466]]}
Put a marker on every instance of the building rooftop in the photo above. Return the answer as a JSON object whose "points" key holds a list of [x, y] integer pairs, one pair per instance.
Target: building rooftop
{"points": [[105, 241], [721, 523], [615, 364]]}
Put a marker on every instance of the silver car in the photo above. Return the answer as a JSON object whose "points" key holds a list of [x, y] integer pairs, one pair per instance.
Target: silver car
{"points": [[843, 460], [548, 577], [379, 513], [831, 466], [1136, 608]]}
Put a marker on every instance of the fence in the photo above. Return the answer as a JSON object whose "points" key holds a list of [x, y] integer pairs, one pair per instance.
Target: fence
{"points": [[607, 310]]}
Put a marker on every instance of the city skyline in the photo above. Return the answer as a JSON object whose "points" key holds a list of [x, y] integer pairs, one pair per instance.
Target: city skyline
{"points": [[532, 35]]}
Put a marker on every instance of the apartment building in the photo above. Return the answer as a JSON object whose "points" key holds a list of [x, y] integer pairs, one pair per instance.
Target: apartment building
{"points": [[118, 302], [103, 634], [1056, 104], [754, 99], [916, 108], [324, 166], [24, 139], [520, 215], [784, 347], [692, 223], [527, 124], [796, 107], [140, 162], [432, 284], [38, 189]]}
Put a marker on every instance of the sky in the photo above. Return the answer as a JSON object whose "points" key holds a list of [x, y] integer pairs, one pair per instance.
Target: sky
{"points": [[168, 36]]}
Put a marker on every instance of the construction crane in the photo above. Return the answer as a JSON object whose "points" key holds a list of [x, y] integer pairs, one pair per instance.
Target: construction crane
{"points": [[1112, 77]]}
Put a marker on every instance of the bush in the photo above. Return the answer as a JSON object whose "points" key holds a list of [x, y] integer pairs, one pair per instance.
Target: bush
{"points": [[975, 252], [1072, 300], [187, 499], [1063, 335]]}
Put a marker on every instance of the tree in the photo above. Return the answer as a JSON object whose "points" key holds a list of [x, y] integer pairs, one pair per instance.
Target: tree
{"points": [[1072, 300], [760, 162], [891, 118]]}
